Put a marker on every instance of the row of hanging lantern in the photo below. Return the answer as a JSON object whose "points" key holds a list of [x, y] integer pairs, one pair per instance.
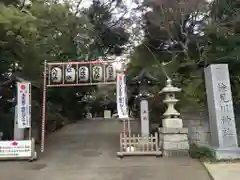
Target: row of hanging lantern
{"points": [[84, 73]]}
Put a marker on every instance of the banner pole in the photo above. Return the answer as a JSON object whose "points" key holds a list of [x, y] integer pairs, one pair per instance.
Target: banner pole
{"points": [[44, 107], [30, 110], [124, 128]]}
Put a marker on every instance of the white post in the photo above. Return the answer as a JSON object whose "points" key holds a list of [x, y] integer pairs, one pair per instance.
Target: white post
{"points": [[221, 112], [144, 118], [107, 114]]}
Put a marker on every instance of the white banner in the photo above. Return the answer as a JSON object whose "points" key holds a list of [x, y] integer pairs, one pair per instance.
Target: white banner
{"points": [[121, 96], [18, 132], [15, 149], [23, 104]]}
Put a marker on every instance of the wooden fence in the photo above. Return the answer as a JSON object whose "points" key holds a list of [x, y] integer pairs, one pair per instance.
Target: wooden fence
{"points": [[131, 144]]}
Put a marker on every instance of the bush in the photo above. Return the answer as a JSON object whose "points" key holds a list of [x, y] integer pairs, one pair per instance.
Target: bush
{"points": [[200, 152]]}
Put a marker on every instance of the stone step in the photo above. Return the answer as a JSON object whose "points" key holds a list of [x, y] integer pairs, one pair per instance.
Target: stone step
{"points": [[175, 153], [166, 130]]}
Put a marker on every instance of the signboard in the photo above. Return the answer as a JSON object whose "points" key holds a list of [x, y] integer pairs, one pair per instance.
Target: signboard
{"points": [[121, 96], [23, 104], [15, 149], [220, 107], [144, 118]]}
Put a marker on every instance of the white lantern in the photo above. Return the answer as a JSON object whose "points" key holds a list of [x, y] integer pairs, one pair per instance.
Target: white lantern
{"points": [[110, 73], [97, 73], [70, 74], [83, 74], [56, 75]]}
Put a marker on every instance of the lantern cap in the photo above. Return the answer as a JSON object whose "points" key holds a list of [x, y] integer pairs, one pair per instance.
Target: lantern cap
{"points": [[169, 87]]}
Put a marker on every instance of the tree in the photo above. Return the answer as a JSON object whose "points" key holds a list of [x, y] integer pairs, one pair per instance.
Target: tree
{"points": [[17, 27], [190, 36], [32, 33], [54, 30], [10, 2], [109, 37], [172, 34], [224, 42]]}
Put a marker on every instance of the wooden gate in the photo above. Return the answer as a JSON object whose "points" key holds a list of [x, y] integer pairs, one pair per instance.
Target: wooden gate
{"points": [[134, 144]]}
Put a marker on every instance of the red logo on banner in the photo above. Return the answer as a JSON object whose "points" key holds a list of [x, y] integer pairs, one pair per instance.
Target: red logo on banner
{"points": [[14, 143], [145, 112], [120, 78], [22, 87], [144, 118]]}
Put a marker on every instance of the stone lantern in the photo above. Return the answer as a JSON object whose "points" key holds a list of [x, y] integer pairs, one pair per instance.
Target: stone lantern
{"points": [[173, 137], [172, 116], [141, 83]]}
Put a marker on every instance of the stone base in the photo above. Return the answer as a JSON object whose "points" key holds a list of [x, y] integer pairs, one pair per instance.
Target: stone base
{"points": [[178, 145], [165, 130], [173, 141], [173, 137], [172, 123], [175, 153], [227, 153]]}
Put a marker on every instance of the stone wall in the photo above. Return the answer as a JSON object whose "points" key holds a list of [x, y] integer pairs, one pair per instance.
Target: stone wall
{"points": [[198, 132], [198, 129]]}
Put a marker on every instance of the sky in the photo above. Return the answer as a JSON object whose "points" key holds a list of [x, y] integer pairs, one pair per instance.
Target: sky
{"points": [[86, 3]]}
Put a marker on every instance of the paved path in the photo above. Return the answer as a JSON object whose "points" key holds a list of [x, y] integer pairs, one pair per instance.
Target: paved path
{"points": [[223, 171], [87, 151]]}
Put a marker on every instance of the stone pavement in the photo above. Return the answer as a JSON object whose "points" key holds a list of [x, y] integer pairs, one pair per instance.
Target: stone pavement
{"points": [[87, 151], [223, 171]]}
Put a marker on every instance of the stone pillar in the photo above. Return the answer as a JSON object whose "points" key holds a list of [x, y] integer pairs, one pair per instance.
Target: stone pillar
{"points": [[173, 138], [221, 113]]}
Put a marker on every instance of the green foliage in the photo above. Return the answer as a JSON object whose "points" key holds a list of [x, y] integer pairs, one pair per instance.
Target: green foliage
{"points": [[55, 31], [201, 153], [8, 2], [191, 39], [17, 27], [109, 37]]}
